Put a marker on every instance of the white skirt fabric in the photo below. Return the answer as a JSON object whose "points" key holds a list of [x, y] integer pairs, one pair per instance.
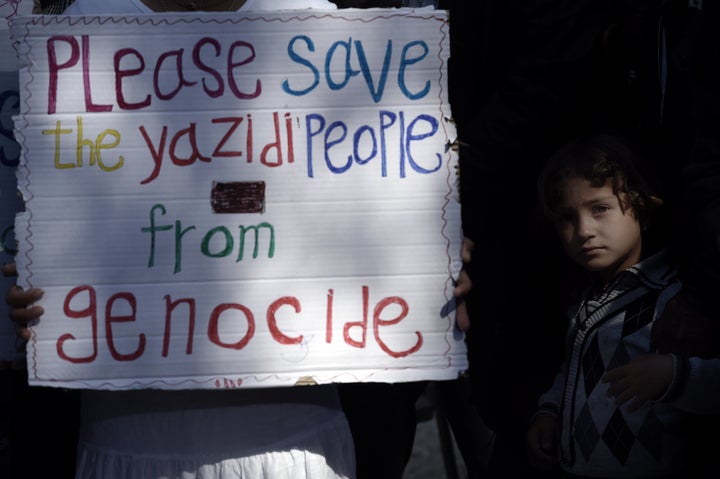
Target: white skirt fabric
{"points": [[287, 433]]}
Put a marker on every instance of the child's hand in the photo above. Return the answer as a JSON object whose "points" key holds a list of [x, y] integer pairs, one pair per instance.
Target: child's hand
{"points": [[540, 442], [20, 301], [644, 379]]}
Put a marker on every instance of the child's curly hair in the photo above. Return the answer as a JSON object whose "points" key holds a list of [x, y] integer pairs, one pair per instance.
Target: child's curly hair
{"points": [[600, 159]]}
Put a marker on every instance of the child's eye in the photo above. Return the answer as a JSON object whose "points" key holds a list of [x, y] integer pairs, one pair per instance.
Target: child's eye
{"points": [[599, 209]]}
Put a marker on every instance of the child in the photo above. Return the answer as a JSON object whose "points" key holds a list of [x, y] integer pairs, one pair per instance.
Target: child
{"points": [[601, 208]]}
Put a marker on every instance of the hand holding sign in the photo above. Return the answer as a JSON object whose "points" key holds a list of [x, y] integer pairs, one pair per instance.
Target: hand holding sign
{"points": [[22, 312]]}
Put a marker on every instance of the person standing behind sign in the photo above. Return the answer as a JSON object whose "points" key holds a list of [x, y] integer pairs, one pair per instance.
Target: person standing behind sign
{"points": [[116, 424], [382, 416], [282, 433]]}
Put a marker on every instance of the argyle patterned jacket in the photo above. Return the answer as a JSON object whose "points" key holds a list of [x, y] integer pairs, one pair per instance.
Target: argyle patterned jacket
{"points": [[597, 438]]}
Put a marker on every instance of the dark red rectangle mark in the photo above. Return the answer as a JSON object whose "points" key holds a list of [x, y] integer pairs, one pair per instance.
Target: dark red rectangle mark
{"points": [[238, 197]]}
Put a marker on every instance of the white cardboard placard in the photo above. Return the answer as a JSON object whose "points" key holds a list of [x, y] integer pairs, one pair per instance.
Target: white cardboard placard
{"points": [[226, 200]]}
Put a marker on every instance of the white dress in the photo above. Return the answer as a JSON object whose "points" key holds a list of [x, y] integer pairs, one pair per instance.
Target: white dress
{"points": [[282, 433], [285, 433]]}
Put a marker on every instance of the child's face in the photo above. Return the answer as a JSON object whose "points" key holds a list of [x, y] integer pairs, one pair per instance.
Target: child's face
{"points": [[594, 230]]}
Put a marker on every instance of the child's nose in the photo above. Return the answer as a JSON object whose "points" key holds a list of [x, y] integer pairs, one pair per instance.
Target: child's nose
{"points": [[585, 227]]}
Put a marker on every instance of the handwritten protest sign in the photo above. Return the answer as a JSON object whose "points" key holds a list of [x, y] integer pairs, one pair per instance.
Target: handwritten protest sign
{"points": [[233, 200], [10, 203]]}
